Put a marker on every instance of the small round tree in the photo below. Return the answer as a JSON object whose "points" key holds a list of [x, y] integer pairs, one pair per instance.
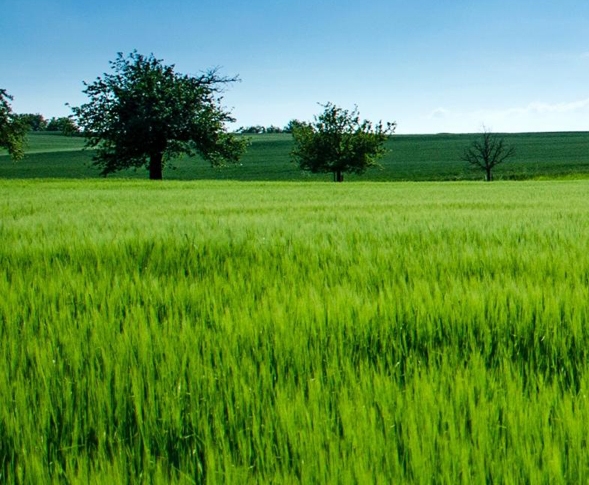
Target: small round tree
{"points": [[338, 142]]}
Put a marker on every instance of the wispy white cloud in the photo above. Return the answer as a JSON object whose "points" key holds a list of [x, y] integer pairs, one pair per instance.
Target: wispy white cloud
{"points": [[543, 108], [535, 116], [439, 114], [542, 116]]}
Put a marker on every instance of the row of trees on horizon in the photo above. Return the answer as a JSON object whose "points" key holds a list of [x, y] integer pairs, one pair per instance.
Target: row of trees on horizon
{"points": [[37, 123], [144, 113]]}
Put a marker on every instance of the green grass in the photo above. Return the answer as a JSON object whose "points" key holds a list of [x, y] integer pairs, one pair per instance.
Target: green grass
{"points": [[418, 157], [48, 142], [226, 332]]}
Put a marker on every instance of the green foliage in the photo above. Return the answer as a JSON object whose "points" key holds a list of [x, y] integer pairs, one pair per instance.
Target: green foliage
{"points": [[258, 129], [290, 126], [65, 125], [338, 142], [260, 333], [145, 114], [34, 122], [251, 130], [12, 128], [37, 123], [487, 152]]}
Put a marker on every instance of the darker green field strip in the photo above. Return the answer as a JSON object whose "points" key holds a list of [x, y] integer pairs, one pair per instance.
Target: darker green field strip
{"points": [[410, 158], [53, 164]]}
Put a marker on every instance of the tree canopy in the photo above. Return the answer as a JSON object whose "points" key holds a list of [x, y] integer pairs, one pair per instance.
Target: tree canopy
{"points": [[34, 122], [338, 142], [65, 125], [12, 129], [145, 114]]}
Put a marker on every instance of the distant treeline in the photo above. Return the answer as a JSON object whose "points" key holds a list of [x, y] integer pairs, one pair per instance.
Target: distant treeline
{"points": [[258, 129], [37, 122]]}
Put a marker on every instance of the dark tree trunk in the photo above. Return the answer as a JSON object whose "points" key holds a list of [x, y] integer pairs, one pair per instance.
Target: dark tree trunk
{"points": [[489, 176], [338, 176], [156, 166]]}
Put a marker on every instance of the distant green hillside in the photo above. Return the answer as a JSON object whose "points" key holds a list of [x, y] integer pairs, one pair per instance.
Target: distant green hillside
{"points": [[411, 157], [53, 142]]}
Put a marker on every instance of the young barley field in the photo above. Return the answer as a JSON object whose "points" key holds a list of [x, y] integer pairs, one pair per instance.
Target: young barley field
{"points": [[224, 332]]}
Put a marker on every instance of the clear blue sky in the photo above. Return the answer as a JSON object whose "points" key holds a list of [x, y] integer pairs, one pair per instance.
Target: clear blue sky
{"points": [[431, 65]]}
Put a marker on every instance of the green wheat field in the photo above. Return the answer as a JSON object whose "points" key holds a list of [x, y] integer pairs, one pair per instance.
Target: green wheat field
{"points": [[410, 158], [282, 332], [253, 324]]}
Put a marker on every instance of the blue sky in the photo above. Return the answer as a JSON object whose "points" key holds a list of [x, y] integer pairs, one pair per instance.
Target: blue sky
{"points": [[430, 65]]}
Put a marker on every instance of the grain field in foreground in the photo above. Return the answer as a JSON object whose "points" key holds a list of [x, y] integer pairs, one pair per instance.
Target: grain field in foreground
{"points": [[219, 332]]}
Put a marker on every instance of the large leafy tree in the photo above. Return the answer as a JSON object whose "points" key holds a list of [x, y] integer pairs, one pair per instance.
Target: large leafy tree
{"points": [[12, 129], [145, 113], [339, 142], [488, 151]]}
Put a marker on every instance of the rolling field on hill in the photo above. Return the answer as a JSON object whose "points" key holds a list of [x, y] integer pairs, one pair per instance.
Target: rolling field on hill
{"points": [[270, 332], [417, 157]]}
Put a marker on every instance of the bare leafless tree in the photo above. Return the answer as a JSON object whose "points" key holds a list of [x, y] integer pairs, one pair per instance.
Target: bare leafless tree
{"points": [[488, 151]]}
